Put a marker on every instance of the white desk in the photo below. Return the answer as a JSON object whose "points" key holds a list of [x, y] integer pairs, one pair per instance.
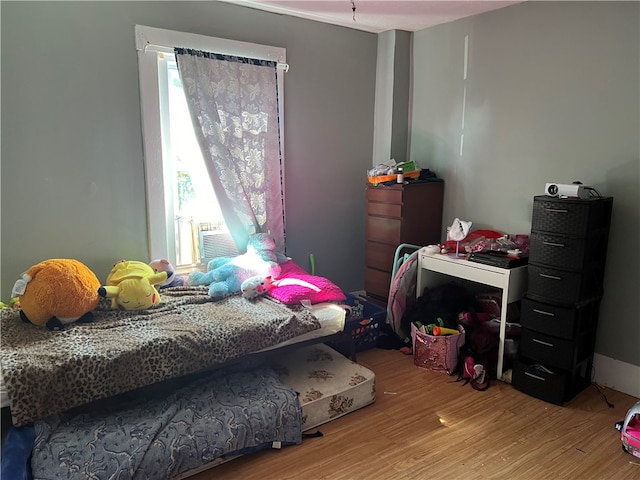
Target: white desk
{"points": [[512, 281]]}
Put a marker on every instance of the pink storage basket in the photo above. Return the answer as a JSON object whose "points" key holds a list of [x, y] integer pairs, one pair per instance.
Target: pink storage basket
{"points": [[436, 353]]}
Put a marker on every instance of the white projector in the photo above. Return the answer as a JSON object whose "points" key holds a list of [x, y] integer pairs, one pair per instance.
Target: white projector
{"points": [[566, 190]]}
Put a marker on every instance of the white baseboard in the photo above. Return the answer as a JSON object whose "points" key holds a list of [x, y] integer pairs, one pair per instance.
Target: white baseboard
{"points": [[621, 376]]}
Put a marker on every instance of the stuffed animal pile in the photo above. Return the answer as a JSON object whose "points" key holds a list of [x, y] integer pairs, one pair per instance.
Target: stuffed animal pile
{"points": [[58, 292], [225, 275]]}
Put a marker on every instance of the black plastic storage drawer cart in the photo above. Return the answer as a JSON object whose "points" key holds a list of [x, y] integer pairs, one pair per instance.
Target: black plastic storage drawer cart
{"points": [[560, 309]]}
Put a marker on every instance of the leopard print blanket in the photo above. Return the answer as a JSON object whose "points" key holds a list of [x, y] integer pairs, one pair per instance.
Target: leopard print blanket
{"points": [[47, 372]]}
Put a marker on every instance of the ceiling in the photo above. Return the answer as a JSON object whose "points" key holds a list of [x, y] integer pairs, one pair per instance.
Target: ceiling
{"points": [[377, 15]]}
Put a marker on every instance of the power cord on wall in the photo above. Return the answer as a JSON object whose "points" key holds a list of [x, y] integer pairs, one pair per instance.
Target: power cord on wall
{"points": [[609, 404], [595, 384]]}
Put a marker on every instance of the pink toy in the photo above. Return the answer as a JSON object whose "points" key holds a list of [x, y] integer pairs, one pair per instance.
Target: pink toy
{"points": [[163, 265], [630, 433], [255, 287]]}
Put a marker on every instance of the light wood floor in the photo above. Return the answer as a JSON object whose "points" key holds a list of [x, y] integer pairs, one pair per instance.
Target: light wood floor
{"points": [[425, 426]]}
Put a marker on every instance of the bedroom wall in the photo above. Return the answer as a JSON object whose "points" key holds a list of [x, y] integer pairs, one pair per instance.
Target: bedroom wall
{"points": [[72, 165], [552, 95]]}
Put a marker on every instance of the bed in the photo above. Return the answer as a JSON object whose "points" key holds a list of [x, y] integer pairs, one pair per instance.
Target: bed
{"points": [[46, 376], [46, 372], [330, 318], [167, 430], [179, 428]]}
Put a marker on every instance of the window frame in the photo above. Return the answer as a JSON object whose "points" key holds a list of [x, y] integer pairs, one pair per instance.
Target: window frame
{"points": [[151, 45]]}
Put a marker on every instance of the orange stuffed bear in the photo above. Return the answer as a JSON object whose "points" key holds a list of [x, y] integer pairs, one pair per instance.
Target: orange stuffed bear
{"points": [[57, 292]]}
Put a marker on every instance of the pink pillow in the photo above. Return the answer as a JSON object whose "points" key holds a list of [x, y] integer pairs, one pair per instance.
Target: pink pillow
{"points": [[294, 284]]}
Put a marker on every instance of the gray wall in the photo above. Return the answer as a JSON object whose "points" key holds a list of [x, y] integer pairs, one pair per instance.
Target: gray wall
{"points": [[401, 95], [552, 96], [72, 166]]}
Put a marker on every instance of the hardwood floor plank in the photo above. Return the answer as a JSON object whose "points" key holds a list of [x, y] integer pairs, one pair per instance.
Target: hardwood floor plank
{"points": [[424, 425]]}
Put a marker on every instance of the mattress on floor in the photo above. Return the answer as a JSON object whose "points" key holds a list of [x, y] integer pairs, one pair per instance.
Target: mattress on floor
{"points": [[160, 432], [329, 385]]}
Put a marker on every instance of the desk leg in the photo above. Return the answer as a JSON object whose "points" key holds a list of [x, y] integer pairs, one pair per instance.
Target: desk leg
{"points": [[420, 280], [503, 334]]}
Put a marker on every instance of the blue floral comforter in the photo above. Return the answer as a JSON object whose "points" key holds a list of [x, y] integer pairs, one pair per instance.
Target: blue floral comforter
{"points": [[152, 435]]}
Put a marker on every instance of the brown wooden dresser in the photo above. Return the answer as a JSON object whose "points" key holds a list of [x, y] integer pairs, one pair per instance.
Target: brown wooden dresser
{"points": [[396, 214]]}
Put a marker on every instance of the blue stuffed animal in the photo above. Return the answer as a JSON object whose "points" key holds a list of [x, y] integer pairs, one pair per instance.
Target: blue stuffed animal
{"points": [[225, 275]]}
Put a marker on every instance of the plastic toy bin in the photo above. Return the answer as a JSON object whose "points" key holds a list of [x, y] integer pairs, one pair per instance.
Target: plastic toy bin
{"points": [[362, 326]]}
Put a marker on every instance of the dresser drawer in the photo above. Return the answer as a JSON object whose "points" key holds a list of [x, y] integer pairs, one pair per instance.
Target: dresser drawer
{"points": [[384, 209], [562, 322], [550, 386], [385, 195], [569, 216], [563, 286], [553, 351], [384, 230], [380, 256], [573, 253]]}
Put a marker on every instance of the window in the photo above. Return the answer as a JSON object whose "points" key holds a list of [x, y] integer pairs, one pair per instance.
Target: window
{"points": [[200, 232], [184, 219]]}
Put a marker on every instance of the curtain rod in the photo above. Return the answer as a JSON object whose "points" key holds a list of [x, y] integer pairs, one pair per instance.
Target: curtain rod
{"points": [[169, 50]]}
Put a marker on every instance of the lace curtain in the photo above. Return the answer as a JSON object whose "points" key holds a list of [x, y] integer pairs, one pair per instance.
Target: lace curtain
{"points": [[233, 103]]}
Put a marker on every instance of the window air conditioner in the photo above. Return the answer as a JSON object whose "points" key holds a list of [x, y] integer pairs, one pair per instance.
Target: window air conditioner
{"points": [[216, 244]]}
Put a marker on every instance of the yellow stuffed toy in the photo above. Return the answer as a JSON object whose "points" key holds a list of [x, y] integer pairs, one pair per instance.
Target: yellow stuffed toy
{"points": [[57, 292], [131, 285]]}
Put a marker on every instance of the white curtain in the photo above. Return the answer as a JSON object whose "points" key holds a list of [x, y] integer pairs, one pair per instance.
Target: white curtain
{"points": [[233, 103]]}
